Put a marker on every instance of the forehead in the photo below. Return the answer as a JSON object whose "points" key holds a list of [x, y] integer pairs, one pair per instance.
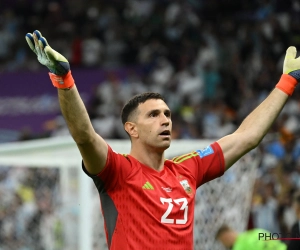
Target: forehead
{"points": [[152, 104]]}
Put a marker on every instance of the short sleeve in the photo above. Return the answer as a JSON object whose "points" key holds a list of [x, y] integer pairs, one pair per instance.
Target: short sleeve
{"points": [[211, 163], [116, 170], [203, 165]]}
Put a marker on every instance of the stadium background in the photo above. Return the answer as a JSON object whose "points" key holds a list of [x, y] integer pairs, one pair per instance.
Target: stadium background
{"points": [[214, 61]]}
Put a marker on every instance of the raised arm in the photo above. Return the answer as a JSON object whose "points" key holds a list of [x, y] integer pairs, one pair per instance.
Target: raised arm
{"points": [[91, 146], [257, 123]]}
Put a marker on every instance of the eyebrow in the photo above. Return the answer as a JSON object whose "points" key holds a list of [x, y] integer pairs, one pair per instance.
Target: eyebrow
{"points": [[158, 111]]}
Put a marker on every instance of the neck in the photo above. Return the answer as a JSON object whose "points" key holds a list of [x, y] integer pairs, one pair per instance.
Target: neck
{"points": [[149, 157]]}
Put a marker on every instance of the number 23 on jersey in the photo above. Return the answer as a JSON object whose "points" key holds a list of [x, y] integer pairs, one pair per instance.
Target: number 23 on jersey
{"points": [[182, 202]]}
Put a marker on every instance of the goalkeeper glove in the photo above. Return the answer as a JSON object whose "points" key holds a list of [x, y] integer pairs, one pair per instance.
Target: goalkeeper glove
{"points": [[57, 64], [291, 72]]}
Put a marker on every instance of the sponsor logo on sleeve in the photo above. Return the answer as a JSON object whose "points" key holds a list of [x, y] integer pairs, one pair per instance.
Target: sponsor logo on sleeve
{"points": [[205, 152]]}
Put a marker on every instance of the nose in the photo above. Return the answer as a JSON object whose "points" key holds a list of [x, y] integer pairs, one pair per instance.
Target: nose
{"points": [[165, 120]]}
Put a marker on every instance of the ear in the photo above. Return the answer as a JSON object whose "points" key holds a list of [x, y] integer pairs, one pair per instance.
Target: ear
{"points": [[131, 129]]}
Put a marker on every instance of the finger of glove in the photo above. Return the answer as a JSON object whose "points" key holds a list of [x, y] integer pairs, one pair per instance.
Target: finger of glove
{"points": [[36, 36], [30, 41], [291, 52], [44, 41], [36, 45], [42, 44], [37, 33]]}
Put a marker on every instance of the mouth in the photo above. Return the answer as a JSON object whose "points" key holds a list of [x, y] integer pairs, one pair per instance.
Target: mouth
{"points": [[165, 133]]}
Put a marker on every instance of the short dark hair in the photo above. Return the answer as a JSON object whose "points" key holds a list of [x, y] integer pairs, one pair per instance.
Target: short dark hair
{"points": [[135, 101]]}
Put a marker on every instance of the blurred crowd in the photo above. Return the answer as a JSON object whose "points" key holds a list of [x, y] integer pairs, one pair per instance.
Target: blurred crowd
{"points": [[30, 213], [214, 61]]}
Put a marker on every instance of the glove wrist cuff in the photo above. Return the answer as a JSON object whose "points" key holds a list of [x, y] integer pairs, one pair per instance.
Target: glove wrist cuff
{"points": [[62, 82], [287, 84]]}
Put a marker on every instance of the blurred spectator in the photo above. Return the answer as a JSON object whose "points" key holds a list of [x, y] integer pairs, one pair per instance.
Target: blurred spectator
{"points": [[26, 209], [295, 231], [249, 240], [265, 211]]}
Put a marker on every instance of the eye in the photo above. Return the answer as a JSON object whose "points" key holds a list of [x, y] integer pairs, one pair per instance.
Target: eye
{"points": [[168, 114], [153, 114]]}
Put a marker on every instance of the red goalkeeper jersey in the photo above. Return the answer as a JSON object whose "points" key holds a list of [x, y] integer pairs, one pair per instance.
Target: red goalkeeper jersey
{"points": [[145, 209]]}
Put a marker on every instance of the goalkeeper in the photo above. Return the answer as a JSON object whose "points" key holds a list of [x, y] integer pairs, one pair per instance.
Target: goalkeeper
{"points": [[248, 240], [148, 201]]}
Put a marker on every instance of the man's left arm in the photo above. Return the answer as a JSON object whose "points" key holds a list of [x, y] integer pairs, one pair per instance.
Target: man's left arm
{"points": [[257, 123]]}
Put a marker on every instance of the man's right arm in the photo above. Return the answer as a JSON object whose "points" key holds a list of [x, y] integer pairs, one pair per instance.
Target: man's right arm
{"points": [[92, 147]]}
